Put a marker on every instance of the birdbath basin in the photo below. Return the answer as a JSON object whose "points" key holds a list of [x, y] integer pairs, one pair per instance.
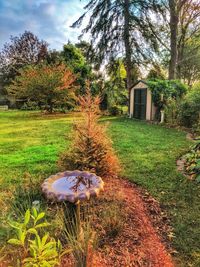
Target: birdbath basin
{"points": [[73, 186]]}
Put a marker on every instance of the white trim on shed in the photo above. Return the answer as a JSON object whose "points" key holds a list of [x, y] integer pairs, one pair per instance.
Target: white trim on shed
{"points": [[150, 107]]}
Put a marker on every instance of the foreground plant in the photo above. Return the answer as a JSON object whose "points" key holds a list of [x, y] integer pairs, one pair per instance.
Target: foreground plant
{"points": [[91, 149], [192, 162], [80, 238], [35, 249]]}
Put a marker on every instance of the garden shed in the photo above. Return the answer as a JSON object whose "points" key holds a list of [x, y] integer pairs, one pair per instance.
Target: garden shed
{"points": [[141, 103]]}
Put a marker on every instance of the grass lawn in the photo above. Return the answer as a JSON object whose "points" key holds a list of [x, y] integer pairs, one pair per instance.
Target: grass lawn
{"points": [[30, 144]]}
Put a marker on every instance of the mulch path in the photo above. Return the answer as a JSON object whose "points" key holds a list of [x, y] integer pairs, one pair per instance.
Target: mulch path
{"points": [[144, 236], [143, 240]]}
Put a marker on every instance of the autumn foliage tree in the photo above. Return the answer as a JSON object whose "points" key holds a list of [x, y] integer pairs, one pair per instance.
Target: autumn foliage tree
{"points": [[91, 149], [25, 49], [47, 85]]}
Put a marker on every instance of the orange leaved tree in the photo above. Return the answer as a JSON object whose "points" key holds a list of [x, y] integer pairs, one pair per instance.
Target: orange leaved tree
{"points": [[47, 85], [91, 149]]}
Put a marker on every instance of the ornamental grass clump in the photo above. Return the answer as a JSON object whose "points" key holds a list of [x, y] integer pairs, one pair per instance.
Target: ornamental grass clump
{"points": [[91, 149]]}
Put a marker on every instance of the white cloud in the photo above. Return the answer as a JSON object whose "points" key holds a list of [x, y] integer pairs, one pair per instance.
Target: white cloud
{"points": [[50, 20]]}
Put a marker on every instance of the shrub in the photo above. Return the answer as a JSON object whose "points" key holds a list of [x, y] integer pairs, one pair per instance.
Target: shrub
{"points": [[192, 165], [168, 88], [114, 111], [196, 129], [30, 105], [91, 149], [172, 111], [190, 107]]}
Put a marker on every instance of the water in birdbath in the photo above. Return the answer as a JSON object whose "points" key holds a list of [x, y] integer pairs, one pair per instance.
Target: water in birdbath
{"points": [[74, 184]]}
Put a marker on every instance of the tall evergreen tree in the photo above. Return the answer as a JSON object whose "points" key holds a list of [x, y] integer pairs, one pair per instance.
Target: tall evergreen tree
{"points": [[120, 27]]}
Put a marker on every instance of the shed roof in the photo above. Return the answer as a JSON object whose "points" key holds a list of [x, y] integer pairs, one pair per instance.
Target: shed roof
{"points": [[139, 81]]}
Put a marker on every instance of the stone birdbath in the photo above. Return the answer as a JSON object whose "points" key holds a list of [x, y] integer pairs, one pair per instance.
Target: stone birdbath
{"points": [[72, 186]]}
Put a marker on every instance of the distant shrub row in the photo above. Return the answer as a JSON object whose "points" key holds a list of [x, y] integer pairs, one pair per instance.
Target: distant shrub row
{"points": [[181, 105]]}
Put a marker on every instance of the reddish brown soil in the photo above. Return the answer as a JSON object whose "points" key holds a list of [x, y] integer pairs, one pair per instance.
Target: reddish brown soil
{"points": [[141, 240]]}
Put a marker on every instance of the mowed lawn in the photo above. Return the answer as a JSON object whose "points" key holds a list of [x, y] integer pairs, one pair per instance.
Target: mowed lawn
{"points": [[30, 144]]}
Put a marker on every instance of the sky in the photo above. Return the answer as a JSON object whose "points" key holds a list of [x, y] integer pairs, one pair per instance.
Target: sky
{"points": [[50, 20]]}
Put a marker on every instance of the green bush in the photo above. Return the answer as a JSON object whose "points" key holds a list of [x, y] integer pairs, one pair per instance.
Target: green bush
{"points": [[192, 165], [114, 111], [172, 111], [190, 108], [168, 88], [30, 105]]}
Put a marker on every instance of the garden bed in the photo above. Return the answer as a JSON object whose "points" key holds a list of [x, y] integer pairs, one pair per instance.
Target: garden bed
{"points": [[189, 164], [132, 229]]}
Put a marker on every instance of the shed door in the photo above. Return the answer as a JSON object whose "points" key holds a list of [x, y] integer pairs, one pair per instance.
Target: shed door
{"points": [[140, 102]]}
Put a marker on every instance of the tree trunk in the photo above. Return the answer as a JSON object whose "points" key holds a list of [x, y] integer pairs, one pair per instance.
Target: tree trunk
{"points": [[173, 38], [127, 44], [50, 106], [180, 51]]}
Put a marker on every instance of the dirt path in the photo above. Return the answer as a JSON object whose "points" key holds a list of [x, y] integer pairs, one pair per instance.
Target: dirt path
{"points": [[139, 244]]}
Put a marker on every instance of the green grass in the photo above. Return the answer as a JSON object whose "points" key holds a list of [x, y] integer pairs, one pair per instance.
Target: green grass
{"points": [[30, 144]]}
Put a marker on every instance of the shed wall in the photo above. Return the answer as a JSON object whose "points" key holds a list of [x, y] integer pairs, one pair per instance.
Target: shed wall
{"points": [[150, 108]]}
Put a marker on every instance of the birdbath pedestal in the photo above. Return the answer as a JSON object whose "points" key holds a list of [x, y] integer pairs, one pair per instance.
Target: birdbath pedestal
{"points": [[72, 186]]}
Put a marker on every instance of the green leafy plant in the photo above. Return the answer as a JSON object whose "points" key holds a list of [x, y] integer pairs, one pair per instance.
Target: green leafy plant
{"points": [[43, 252], [171, 111], [168, 88], [192, 165], [35, 251], [190, 108]]}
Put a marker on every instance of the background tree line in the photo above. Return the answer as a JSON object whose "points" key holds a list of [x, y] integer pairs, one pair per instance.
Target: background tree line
{"points": [[154, 39]]}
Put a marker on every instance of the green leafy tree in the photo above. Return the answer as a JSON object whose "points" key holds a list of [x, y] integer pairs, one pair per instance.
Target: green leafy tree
{"points": [[75, 60], [87, 51], [188, 33], [115, 87], [45, 84], [156, 73], [190, 107], [190, 66], [54, 57], [183, 25]]}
